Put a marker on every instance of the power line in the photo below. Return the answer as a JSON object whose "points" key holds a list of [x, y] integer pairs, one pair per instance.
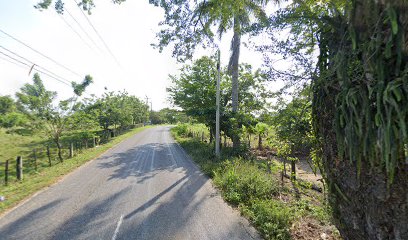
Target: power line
{"points": [[59, 80], [36, 65], [69, 25], [59, 64], [83, 30], [15, 63], [97, 33]]}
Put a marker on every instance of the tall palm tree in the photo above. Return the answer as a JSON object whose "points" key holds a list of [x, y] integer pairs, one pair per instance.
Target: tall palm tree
{"points": [[237, 15]]}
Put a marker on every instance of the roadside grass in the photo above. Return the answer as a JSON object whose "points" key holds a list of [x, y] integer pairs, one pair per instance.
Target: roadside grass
{"points": [[12, 145], [34, 181], [256, 190]]}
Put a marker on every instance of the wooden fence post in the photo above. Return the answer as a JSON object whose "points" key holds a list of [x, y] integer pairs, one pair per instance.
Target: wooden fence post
{"points": [[19, 168], [6, 172], [49, 155], [35, 158], [71, 150]]}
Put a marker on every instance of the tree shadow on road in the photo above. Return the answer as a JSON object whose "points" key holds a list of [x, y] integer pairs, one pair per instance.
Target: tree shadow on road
{"points": [[27, 220], [91, 220]]}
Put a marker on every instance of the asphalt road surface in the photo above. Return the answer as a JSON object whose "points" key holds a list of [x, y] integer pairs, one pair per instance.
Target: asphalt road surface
{"points": [[144, 188]]}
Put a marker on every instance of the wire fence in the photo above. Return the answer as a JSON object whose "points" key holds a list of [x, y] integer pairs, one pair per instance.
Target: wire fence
{"points": [[39, 158]]}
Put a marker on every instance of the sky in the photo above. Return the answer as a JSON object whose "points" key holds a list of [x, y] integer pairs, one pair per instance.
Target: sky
{"points": [[128, 30]]}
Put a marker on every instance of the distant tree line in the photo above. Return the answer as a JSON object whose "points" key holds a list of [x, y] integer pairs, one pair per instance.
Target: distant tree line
{"points": [[35, 110]]}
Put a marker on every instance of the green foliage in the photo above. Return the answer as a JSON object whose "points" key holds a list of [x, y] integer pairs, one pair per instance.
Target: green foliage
{"points": [[242, 182], [7, 104], [194, 91], [13, 119], [248, 185], [261, 128], [188, 26], [272, 218], [80, 88], [167, 115], [117, 110], [181, 129], [35, 99], [293, 122]]}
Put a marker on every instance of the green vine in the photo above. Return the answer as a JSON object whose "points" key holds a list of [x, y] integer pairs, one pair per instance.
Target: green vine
{"points": [[372, 83]]}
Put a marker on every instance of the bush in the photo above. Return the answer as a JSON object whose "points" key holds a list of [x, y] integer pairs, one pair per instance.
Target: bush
{"points": [[272, 218], [242, 182], [181, 129]]}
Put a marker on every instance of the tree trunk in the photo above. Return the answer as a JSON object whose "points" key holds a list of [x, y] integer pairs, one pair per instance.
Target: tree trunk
{"points": [[364, 208], [293, 173], [211, 135], [259, 141], [365, 203], [234, 70], [59, 147]]}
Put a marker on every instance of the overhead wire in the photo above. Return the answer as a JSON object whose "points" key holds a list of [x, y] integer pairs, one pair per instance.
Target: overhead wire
{"points": [[72, 29], [43, 55], [99, 36], [29, 66], [15, 63], [35, 65], [83, 29]]}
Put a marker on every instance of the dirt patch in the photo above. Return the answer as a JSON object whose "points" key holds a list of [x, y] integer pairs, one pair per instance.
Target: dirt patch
{"points": [[311, 229], [303, 166]]}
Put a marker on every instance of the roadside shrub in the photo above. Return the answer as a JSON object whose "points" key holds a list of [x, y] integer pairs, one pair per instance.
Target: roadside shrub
{"points": [[272, 218], [181, 129], [242, 182]]}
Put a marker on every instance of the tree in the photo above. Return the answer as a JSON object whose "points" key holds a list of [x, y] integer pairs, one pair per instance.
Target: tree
{"points": [[13, 119], [189, 26], [115, 110], [9, 115], [35, 99], [194, 91], [359, 108], [262, 130], [7, 105], [38, 103]]}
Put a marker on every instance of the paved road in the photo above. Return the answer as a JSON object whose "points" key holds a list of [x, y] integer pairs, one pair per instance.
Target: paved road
{"points": [[144, 188]]}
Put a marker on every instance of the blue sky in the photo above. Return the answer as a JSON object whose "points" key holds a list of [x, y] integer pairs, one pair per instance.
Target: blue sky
{"points": [[128, 29]]}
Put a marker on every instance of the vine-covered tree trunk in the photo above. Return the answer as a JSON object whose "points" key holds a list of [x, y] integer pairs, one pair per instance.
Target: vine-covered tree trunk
{"points": [[369, 196], [364, 207]]}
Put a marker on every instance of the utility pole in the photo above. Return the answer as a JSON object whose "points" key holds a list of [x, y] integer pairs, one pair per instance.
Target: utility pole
{"points": [[147, 100], [147, 103], [217, 115]]}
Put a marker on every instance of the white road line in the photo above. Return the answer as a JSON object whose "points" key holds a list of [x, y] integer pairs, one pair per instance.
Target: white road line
{"points": [[117, 228]]}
